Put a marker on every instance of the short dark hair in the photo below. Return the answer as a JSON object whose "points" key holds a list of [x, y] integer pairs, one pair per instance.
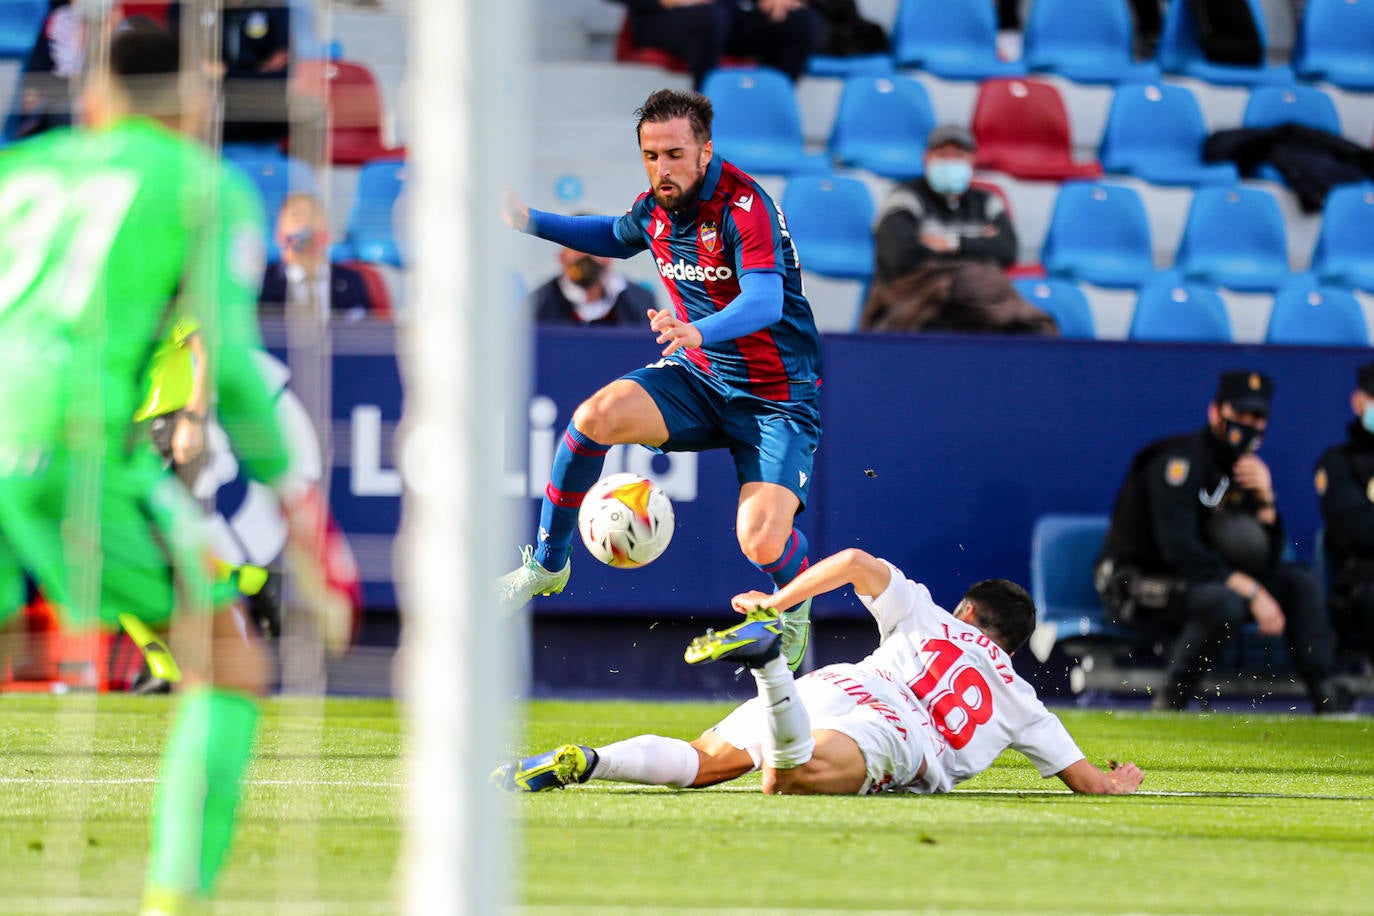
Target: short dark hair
{"points": [[670, 104], [1003, 610], [144, 60]]}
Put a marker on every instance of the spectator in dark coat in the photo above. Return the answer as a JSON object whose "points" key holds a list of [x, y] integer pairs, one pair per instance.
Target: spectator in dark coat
{"points": [[590, 292], [778, 33], [305, 277]]}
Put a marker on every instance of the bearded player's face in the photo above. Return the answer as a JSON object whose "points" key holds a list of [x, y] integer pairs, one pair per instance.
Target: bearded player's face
{"points": [[675, 162]]}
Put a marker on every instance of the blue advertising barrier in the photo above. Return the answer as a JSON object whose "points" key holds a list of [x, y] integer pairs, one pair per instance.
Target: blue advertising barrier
{"points": [[938, 452]]}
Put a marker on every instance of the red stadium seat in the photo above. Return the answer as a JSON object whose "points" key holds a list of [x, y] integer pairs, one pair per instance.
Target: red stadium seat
{"points": [[1022, 129], [377, 293], [354, 104], [155, 10]]}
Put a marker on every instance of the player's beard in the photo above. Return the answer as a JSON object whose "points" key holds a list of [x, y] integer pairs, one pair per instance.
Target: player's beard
{"points": [[686, 198]]}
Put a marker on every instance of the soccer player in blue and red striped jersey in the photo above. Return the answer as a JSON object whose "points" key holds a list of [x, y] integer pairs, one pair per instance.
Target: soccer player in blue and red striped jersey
{"points": [[741, 365]]}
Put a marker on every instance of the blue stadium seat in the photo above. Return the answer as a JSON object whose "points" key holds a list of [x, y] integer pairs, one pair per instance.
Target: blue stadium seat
{"points": [[757, 123], [1064, 301], [371, 233], [1235, 237], [1064, 550], [956, 41], [1180, 52], [275, 175], [881, 125], [1270, 106], [1180, 312], [1099, 234], [1334, 43], [1156, 133], [830, 219], [1087, 41], [20, 21], [1317, 316], [828, 65], [1345, 248]]}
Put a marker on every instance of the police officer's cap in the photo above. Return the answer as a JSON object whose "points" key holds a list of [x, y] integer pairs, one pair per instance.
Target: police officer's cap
{"points": [[1246, 391], [1365, 377]]}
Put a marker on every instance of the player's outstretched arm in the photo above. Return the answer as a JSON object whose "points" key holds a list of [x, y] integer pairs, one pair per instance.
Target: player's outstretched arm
{"points": [[1084, 778], [865, 572]]}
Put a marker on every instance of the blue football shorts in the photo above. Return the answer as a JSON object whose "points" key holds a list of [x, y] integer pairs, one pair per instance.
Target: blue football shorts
{"points": [[770, 441]]}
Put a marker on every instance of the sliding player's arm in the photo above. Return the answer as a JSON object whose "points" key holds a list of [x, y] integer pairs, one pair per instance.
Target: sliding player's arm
{"points": [[1086, 779], [866, 573]]}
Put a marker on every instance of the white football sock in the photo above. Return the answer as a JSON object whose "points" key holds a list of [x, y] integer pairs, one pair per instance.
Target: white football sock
{"points": [[650, 760], [789, 742]]}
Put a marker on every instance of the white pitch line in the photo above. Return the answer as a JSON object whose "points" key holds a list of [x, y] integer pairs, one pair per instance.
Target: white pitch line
{"points": [[143, 780]]}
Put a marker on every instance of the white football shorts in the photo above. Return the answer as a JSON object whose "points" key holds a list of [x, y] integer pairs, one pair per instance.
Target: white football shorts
{"points": [[893, 739]]}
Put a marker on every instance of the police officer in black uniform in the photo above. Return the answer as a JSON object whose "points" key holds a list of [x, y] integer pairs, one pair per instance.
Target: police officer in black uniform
{"points": [[1194, 550], [1345, 486]]}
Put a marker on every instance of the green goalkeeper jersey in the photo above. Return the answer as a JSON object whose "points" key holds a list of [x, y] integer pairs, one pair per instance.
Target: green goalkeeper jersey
{"points": [[107, 239]]}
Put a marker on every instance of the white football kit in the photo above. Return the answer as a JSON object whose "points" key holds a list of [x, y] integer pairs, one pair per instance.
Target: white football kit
{"points": [[936, 690]]}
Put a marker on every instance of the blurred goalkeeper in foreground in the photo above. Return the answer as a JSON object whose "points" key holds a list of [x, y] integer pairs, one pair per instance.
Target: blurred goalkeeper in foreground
{"points": [[108, 236], [933, 705]]}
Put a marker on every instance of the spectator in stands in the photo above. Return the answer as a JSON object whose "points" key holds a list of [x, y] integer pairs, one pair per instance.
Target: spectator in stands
{"points": [[942, 248], [45, 86], [1345, 486], [1195, 551], [255, 58], [589, 291], [778, 33], [305, 277]]}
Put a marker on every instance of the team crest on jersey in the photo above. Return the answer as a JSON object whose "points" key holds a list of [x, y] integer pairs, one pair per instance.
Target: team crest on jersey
{"points": [[708, 236], [1176, 471]]}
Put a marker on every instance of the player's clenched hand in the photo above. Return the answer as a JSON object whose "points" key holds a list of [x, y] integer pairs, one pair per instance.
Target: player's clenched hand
{"points": [[513, 209], [748, 601], [676, 334], [1124, 778]]}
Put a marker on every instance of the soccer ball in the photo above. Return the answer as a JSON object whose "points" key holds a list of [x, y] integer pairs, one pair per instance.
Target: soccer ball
{"points": [[625, 521]]}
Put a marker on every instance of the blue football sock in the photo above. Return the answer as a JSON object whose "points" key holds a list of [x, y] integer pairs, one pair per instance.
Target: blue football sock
{"points": [[793, 560], [576, 466]]}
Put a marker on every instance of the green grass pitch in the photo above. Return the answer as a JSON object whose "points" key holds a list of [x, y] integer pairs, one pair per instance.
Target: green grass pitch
{"points": [[1239, 813]]}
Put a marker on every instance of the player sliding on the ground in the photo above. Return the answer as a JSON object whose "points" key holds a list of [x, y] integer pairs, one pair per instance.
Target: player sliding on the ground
{"points": [[933, 705], [741, 367]]}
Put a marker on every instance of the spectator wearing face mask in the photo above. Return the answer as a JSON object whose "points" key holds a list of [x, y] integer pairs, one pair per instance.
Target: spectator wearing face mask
{"points": [[590, 292], [305, 278], [1345, 487], [1195, 551], [940, 215], [942, 249]]}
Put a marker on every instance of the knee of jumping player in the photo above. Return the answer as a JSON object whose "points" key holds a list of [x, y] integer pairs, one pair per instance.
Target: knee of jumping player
{"points": [[762, 544]]}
